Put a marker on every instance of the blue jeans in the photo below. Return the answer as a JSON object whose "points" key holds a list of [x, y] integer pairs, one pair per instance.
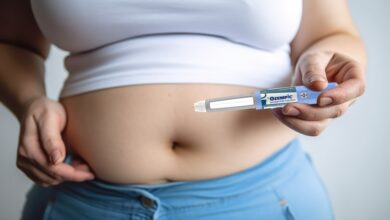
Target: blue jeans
{"points": [[284, 186]]}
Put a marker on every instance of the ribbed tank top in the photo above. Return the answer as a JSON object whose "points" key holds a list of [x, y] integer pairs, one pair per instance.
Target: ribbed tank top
{"points": [[115, 43]]}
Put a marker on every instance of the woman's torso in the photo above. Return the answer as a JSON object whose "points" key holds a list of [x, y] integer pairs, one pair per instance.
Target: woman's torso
{"points": [[126, 139], [149, 133]]}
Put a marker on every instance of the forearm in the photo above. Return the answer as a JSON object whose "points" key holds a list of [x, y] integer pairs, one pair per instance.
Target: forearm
{"points": [[344, 43], [21, 78]]}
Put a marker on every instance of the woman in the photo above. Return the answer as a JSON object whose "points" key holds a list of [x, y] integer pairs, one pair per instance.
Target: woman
{"points": [[124, 142]]}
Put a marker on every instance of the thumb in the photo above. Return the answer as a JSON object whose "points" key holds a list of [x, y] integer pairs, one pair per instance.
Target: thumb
{"points": [[51, 140], [312, 70]]}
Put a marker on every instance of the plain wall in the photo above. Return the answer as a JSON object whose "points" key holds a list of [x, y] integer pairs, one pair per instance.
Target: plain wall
{"points": [[352, 154]]}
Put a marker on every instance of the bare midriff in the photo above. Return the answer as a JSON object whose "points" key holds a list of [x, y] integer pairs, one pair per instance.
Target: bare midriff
{"points": [[150, 133]]}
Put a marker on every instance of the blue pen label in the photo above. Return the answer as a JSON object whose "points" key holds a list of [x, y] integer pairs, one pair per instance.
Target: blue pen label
{"points": [[275, 98]]}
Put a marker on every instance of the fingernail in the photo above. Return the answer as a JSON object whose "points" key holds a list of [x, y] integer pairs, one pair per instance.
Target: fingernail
{"points": [[55, 183], [291, 111], [55, 156], [325, 101], [317, 78]]}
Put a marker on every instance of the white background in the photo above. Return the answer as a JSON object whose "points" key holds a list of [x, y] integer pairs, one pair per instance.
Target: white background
{"points": [[352, 155]]}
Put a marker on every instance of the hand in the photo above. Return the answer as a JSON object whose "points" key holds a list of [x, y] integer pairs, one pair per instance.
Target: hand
{"points": [[41, 150], [314, 71]]}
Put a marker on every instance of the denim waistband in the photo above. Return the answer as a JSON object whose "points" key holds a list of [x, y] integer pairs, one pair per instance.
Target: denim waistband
{"points": [[263, 176]]}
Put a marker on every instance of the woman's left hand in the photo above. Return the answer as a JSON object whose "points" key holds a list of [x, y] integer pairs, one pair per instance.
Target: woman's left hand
{"points": [[314, 71]]}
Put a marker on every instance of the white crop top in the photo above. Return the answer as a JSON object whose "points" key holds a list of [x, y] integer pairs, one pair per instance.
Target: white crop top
{"points": [[115, 43]]}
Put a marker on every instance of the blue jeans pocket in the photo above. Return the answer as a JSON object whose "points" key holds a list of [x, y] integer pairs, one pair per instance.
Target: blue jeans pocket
{"points": [[286, 210], [64, 207], [303, 196]]}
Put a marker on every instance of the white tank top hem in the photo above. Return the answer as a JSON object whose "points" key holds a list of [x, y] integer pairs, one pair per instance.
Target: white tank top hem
{"points": [[187, 58]]}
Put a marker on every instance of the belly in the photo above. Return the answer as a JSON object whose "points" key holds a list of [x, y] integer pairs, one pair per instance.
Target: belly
{"points": [[149, 133]]}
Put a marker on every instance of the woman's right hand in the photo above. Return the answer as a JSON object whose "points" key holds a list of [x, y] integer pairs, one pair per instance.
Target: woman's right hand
{"points": [[41, 150]]}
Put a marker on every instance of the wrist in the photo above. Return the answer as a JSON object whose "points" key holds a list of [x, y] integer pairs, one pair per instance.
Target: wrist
{"points": [[25, 105]]}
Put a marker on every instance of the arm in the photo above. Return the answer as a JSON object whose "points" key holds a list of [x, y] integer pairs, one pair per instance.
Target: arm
{"points": [[328, 26], [23, 50], [326, 48]]}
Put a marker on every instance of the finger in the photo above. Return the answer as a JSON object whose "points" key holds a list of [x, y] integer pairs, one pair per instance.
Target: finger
{"points": [[70, 173], [43, 167], [82, 166], [36, 157], [35, 180], [50, 135], [41, 177], [62, 171], [312, 70], [36, 174], [29, 137], [314, 113], [350, 76], [345, 91], [29, 149], [310, 128]]}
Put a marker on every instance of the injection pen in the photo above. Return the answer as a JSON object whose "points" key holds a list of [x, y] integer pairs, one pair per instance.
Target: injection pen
{"points": [[262, 99]]}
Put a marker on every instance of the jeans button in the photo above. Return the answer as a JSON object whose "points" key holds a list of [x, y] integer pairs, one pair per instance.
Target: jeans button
{"points": [[147, 202]]}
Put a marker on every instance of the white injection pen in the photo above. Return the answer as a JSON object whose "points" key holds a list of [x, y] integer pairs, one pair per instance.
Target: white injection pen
{"points": [[262, 99]]}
